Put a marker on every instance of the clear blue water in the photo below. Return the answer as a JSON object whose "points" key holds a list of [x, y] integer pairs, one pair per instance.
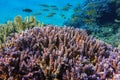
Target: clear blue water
{"points": [[12, 8]]}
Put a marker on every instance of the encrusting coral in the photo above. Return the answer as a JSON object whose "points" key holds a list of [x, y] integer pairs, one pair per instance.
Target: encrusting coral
{"points": [[57, 53], [18, 25]]}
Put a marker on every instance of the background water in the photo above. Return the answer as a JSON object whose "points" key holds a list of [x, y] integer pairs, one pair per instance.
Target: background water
{"points": [[11, 8]]}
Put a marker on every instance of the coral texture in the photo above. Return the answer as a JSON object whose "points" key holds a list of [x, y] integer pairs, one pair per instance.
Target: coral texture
{"points": [[18, 25], [57, 53]]}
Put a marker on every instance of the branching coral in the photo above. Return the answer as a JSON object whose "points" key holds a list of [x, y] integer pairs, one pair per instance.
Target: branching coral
{"points": [[55, 53], [18, 25]]}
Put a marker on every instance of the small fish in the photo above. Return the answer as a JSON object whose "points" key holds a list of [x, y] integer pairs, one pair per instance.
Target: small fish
{"points": [[78, 4], [68, 4], [117, 21], [44, 5], [66, 8], [27, 10], [36, 14], [90, 12], [45, 9], [50, 14], [92, 4], [53, 6], [63, 16], [77, 10]]}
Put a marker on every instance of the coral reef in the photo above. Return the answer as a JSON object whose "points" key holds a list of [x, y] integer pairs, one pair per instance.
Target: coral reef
{"points": [[100, 18], [17, 25], [57, 53], [109, 33], [88, 14]]}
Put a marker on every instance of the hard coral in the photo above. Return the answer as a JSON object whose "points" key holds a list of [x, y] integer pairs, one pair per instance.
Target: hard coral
{"points": [[55, 53], [18, 25]]}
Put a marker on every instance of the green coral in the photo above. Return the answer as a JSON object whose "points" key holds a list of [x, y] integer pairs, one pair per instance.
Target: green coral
{"points": [[17, 26]]}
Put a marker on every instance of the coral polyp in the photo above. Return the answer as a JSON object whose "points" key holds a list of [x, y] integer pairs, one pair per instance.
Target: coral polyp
{"points": [[57, 53]]}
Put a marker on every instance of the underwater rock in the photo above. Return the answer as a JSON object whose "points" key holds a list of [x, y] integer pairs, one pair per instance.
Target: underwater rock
{"points": [[27, 10], [57, 53]]}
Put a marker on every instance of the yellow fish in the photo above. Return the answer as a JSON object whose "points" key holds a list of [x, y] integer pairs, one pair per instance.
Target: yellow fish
{"points": [[116, 20]]}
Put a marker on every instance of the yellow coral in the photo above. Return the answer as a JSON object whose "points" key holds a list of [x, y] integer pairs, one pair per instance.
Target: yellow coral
{"points": [[17, 25]]}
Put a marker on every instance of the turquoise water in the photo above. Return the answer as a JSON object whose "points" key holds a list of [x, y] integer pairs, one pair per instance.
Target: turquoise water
{"points": [[12, 8], [51, 53], [100, 18]]}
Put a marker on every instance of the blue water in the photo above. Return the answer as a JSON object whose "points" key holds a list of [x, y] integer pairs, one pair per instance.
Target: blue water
{"points": [[12, 8]]}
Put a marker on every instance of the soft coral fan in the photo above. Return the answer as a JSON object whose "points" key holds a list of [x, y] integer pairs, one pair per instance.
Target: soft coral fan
{"points": [[54, 53]]}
